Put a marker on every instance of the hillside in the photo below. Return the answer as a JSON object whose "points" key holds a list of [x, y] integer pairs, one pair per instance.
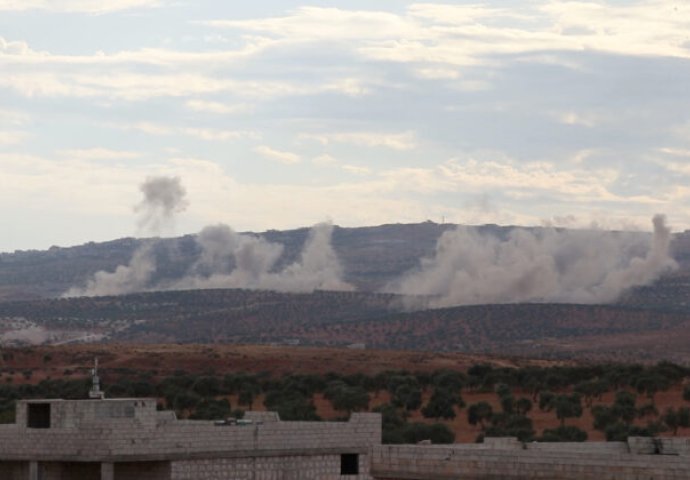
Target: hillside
{"points": [[614, 332], [371, 258]]}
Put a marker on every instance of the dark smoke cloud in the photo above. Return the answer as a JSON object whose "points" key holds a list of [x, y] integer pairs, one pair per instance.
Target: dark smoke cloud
{"points": [[163, 198], [538, 266]]}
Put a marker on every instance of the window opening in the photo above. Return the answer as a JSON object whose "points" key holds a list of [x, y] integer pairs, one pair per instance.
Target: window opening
{"points": [[349, 464], [38, 415]]}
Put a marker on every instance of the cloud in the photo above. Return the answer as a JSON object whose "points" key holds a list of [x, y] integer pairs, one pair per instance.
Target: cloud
{"points": [[99, 154], [206, 134], [217, 107], [357, 170], [12, 137], [287, 158], [81, 6], [395, 141], [456, 35], [324, 160]]}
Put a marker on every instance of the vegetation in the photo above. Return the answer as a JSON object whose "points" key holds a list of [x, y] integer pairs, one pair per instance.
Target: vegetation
{"points": [[620, 398]]}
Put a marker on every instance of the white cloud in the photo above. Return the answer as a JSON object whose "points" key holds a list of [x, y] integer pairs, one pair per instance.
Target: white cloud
{"points": [[287, 158], [324, 160], [84, 6], [357, 169], [206, 134], [12, 137], [217, 107], [98, 154], [395, 141]]}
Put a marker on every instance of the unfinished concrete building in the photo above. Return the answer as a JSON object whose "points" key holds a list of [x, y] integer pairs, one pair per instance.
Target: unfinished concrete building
{"points": [[127, 439]]}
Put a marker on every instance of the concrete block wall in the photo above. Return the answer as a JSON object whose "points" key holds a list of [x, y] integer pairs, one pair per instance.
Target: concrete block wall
{"points": [[305, 467], [457, 461], [84, 413], [100, 431]]}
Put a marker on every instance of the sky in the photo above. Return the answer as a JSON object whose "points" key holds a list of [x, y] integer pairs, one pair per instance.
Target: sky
{"points": [[282, 114]]}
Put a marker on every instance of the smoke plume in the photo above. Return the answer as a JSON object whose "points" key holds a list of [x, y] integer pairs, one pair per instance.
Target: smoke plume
{"points": [[130, 278], [227, 259], [538, 266], [163, 198], [232, 260]]}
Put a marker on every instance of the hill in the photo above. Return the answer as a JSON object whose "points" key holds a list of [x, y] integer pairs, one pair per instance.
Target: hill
{"points": [[613, 332]]}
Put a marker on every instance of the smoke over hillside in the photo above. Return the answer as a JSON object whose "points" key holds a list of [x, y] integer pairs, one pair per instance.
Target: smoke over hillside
{"points": [[231, 260], [163, 198], [538, 266], [227, 259]]}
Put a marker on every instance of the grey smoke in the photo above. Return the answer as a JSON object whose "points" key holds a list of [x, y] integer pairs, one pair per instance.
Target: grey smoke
{"points": [[163, 198], [232, 260], [130, 278], [545, 265]]}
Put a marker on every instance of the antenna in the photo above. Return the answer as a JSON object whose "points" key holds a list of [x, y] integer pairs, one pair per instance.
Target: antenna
{"points": [[95, 392]]}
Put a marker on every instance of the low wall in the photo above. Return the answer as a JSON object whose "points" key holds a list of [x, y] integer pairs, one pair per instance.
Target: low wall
{"points": [[516, 461]]}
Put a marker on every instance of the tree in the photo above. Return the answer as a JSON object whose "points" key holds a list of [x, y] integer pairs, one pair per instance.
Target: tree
{"points": [[686, 393], [624, 406], [210, 409], [247, 394], [546, 401], [675, 419], [291, 405], [441, 404], [566, 433], [347, 398], [437, 433], [407, 396], [567, 406], [510, 425], [651, 384], [479, 413], [523, 405]]}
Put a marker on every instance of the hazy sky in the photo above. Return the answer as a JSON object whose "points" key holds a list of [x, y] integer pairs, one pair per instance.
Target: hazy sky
{"points": [[280, 114]]}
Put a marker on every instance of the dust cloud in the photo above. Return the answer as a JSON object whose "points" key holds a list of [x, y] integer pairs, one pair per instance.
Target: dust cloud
{"points": [[542, 265]]}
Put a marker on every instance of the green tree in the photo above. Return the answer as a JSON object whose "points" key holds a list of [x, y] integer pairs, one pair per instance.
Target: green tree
{"points": [[247, 393], [566, 433], [441, 404], [210, 409], [523, 406], [567, 406], [651, 384], [347, 398], [686, 393], [479, 413]]}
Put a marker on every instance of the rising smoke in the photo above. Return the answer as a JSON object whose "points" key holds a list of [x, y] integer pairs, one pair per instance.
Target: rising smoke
{"points": [[163, 198], [545, 265], [232, 260], [227, 259]]}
